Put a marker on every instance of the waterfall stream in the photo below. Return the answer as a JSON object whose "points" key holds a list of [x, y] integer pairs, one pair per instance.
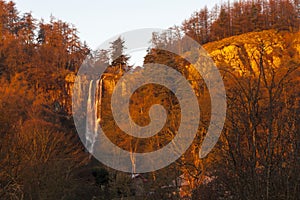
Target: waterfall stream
{"points": [[92, 118]]}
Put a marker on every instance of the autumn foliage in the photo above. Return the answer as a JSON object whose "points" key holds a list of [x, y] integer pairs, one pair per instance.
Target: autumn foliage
{"points": [[257, 156]]}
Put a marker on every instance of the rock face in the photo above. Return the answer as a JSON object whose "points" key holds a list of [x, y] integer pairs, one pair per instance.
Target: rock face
{"points": [[242, 53], [109, 82]]}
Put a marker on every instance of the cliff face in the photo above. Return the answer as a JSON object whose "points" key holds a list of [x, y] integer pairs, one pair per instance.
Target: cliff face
{"points": [[109, 82], [242, 53]]}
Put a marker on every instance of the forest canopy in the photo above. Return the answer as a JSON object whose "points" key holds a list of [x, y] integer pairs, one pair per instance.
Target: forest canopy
{"points": [[255, 45]]}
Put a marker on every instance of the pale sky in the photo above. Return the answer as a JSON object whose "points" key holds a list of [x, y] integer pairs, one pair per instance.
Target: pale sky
{"points": [[99, 20]]}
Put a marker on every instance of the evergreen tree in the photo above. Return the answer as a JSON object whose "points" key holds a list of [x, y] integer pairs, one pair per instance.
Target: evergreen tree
{"points": [[119, 60]]}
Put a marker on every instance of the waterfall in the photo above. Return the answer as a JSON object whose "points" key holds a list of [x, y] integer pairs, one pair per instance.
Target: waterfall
{"points": [[92, 120]]}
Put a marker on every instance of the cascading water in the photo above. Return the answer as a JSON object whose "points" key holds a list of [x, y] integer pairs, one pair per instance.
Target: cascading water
{"points": [[92, 120]]}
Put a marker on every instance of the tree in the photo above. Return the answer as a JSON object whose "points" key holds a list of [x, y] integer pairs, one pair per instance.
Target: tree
{"points": [[221, 27], [118, 58], [258, 146]]}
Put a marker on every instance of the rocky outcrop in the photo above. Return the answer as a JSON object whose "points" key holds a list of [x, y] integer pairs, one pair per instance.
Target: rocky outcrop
{"points": [[242, 53]]}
